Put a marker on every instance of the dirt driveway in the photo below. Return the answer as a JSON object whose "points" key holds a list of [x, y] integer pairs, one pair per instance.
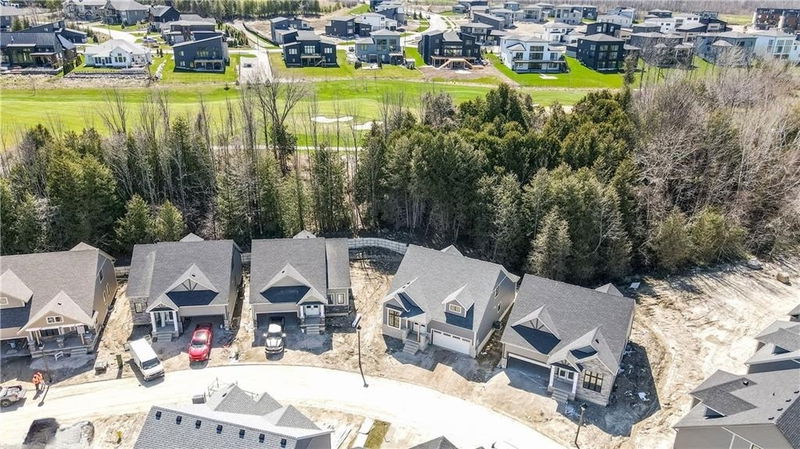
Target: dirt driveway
{"points": [[685, 328]]}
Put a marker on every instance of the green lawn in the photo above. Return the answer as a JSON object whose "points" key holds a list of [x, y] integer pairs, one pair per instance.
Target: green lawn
{"points": [[412, 52], [579, 76], [360, 9], [344, 70], [737, 19], [424, 24], [75, 109], [170, 76]]}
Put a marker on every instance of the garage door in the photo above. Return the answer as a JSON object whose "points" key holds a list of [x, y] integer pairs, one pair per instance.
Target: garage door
{"points": [[451, 342]]}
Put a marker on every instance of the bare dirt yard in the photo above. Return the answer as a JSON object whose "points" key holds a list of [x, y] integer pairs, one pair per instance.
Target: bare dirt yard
{"points": [[685, 328]]}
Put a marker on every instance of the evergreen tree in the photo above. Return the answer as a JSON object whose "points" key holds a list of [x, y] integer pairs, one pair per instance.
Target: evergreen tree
{"points": [[294, 202], [8, 216], [29, 226], [136, 226], [670, 242], [231, 207], [328, 189], [169, 224], [551, 249], [501, 198], [270, 209], [715, 238]]}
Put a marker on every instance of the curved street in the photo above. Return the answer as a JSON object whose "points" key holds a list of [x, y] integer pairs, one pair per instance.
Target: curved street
{"points": [[429, 412]]}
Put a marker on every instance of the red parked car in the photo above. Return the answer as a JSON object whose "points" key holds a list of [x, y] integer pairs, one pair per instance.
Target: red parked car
{"points": [[200, 345]]}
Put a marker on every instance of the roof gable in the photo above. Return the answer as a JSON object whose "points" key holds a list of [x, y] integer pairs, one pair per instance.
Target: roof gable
{"points": [[61, 305], [13, 287]]}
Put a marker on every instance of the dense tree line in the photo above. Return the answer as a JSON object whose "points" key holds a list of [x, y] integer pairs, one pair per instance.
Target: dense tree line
{"points": [[248, 9], [688, 171]]}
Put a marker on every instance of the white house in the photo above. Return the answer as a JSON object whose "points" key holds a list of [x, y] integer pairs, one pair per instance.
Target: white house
{"points": [[556, 32], [670, 24], [624, 21], [525, 54], [777, 44], [117, 54], [377, 21]]}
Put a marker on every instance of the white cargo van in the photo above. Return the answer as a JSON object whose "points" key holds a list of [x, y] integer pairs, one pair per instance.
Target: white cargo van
{"points": [[146, 359]]}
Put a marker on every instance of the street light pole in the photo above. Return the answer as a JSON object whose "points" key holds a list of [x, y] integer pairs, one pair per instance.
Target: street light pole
{"points": [[357, 325], [580, 424]]}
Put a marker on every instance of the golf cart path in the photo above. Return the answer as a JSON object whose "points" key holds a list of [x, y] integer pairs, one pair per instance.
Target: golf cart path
{"points": [[423, 409]]}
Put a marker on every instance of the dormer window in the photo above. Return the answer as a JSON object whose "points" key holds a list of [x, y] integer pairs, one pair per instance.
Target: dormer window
{"points": [[54, 319], [455, 308], [3, 301]]}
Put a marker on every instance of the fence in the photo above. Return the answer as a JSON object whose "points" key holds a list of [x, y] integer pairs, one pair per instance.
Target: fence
{"points": [[374, 242]]}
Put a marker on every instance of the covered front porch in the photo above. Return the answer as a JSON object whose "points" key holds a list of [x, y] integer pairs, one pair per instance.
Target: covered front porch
{"points": [[165, 323], [73, 339], [415, 335], [312, 317], [563, 382]]}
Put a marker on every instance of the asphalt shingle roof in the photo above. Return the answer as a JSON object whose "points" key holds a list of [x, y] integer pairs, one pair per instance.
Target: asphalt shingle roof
{"points": [[233, 419], [577, 318], [48, 274], [428, 276], [156, 267], [436, 443], [324, 263], [768, 398], [780, 341]]}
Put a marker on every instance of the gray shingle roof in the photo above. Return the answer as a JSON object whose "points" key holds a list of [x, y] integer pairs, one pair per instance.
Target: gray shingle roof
{"points": [[48, 274], [780, 341], [156, 267], [600, 37], [128, 5], [241, 422], [428, 276], [324, 263], [769, 398], [795, 311], [578, 319], [436, 443]]}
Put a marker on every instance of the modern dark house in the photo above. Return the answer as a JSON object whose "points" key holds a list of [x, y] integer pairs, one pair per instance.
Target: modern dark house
{"points": [[125, 12], [645, 27], [204, 55], [601, 52], [309, 50], [660, 13], [344, 26], [393, 10], [162, 14], [449, 49], [728, 48], [663, 50], [481, 31], [36, 52], [786, 19], [587, 11], [382, 46], [283, 30], [611, 29], [58, 27], [496, 22], [189, 30]]}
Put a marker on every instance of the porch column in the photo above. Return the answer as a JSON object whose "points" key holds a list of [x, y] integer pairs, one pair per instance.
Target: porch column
{"points": [[153, 320], [575, 383], [322, 311], [175, 321], [552, 375]]}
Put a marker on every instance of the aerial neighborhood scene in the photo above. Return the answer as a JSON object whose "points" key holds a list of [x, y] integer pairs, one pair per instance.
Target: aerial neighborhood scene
{"points": [[400, 224]]}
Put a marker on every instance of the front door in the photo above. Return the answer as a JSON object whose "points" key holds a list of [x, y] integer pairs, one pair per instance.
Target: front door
{"points": [[565, 374]]}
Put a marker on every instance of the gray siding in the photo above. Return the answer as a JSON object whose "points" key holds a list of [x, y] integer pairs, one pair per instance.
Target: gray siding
{"points": [[702, 438], [450, 329], [506, 293], [774, 366]]}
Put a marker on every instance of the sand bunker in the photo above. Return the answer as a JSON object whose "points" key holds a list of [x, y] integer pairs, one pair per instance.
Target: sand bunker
{"points": [[323, 119]]}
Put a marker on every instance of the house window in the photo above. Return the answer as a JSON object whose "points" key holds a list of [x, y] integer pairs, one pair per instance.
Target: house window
{"points": [[328, 50], [455, 308], [593, 381], [283, 442], [3, 301], [340, 299], [292, 51], [54, 320], [309, 49], [394, 318], [138, 307]]}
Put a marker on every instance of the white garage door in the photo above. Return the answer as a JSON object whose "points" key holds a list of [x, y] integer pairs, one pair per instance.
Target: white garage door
{"points": [[451, 342]]}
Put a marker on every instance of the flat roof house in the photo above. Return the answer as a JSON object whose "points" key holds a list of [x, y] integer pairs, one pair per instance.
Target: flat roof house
{"points": [[382, 46], [125, 12], [729, 48], [446, 299], [55, 302], [496, 22], [58, 27], [481, 31], [756, 410], [576, 336], [776, 44], [310, 50], [191, 278], [449, 49], [526, 54], [663, 50], [341, 26], [284, 30], [301, 280], [230, 417], [786, 19], [601, 52], [203, 55]]}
